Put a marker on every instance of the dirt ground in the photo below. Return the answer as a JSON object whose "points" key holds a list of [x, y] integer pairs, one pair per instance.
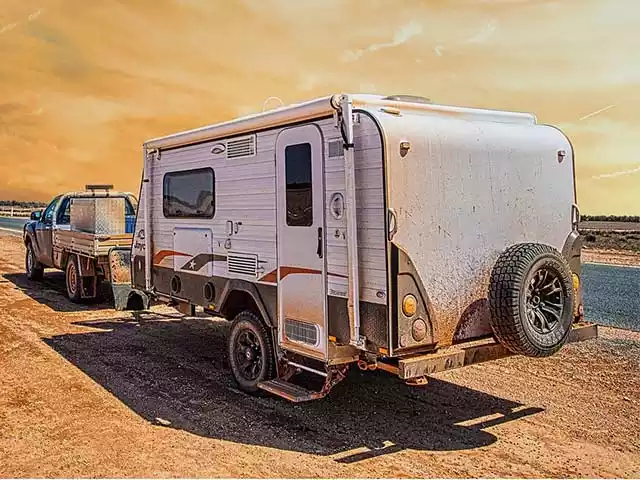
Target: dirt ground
{"points": [[611, 257], [605, 240], [87, 391]]}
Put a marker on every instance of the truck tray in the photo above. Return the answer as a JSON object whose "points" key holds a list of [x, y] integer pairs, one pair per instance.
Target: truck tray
{"points": [[89, 244]]}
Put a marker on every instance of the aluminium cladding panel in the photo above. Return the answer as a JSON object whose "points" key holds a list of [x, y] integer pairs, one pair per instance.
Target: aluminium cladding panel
{"points": [[244, 194], [466, 190], [99, 215], [370, 211]]}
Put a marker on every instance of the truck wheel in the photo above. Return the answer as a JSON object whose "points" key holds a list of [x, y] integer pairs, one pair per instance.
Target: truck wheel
{"points": [[531, 299], [251, 353], [34, 268], [73, 280]]}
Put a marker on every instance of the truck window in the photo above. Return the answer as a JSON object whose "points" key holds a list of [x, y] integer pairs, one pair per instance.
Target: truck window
{"points": [[299, 186], [64, 212], [47, 216], [189, 194], [129, 208]]}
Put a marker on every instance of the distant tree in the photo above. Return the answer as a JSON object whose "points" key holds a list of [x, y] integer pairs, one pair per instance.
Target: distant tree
{"points": [[21, 204], [610, 218]]}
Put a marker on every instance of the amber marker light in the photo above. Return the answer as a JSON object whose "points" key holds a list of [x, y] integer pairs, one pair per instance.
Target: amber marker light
{"points": [[409, 305]]}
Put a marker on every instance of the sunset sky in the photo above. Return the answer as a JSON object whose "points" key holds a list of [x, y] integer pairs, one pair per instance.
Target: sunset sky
{"points": [[84, 83]]}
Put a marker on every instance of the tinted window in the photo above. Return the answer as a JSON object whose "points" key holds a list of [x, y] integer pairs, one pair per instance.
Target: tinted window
{"points": [[47, 217], [64, 212], [299, 189], [129, 208], [189, 194]]}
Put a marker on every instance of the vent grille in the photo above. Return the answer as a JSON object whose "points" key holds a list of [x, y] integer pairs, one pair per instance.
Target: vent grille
{"points": [[301, 332], [336, 149], [241, 147], [242, 264]]}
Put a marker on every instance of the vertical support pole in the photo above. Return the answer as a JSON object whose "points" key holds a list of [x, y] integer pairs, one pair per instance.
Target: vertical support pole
{"points": [[146, 185], [353, 303]]}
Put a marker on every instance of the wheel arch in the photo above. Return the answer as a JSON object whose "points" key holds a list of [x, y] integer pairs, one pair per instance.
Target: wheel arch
{"points": [[239, 295], [29, 232]]}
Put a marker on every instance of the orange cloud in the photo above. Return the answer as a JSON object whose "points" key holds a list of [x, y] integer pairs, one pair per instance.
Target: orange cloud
{"points": [[83, 84]]}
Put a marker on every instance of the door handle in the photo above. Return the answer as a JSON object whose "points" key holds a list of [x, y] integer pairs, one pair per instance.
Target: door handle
{"points": [[319, 242]]}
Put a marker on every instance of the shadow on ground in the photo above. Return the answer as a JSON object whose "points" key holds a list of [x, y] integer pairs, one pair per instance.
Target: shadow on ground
{"points": [[51, 291], [175, 369]]}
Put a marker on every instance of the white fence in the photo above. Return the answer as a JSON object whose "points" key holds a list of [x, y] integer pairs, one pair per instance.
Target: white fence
{"points": [[19, 212]]}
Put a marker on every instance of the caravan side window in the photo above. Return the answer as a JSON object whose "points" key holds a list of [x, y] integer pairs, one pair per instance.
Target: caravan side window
{"points": [[299, 185], [189, 194]]}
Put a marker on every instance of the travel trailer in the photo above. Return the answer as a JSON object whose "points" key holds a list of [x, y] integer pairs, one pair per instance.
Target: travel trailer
{"points": [[387, 232]]}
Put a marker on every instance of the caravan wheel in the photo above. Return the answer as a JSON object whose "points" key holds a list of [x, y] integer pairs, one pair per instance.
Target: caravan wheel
{"points": [[251, 353], [531, 299]]}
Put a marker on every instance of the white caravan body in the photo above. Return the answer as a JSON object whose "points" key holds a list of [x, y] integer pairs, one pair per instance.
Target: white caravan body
{"points": [[259, 209]]}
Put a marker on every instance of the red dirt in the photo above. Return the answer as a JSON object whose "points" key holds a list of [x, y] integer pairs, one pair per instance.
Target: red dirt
{"points": [[87, 391]]}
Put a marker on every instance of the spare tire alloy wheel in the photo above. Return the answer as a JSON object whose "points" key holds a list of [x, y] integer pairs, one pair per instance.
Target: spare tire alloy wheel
{"points": [[544, 300], [531, 299]]}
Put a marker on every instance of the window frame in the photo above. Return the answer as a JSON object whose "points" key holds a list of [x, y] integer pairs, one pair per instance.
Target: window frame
{"points": [[186, 172]]}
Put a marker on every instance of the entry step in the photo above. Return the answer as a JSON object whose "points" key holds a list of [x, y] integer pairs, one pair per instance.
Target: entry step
{"points": [[290, 391]]}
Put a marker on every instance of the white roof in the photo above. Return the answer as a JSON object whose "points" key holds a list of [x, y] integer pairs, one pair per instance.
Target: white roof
{"points": [[325, 106]]}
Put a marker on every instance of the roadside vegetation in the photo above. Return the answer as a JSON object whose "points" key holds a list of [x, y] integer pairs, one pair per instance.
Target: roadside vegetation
{"points": [[610, 218], [604, 240], [20, 204]]}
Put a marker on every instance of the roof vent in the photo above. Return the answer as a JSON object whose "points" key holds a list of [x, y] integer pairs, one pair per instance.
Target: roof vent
{"points": [[408, 98], [242, 147]]}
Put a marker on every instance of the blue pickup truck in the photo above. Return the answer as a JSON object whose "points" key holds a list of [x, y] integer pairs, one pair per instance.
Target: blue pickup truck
{"points": [[76, 233]]}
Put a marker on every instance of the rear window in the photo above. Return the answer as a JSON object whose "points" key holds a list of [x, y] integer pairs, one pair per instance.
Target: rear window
{"points": [[189, 194], [129, 207]]}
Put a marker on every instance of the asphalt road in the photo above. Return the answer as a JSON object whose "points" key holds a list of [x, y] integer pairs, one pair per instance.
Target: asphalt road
{"points": [[612, 295], [12, 223]]}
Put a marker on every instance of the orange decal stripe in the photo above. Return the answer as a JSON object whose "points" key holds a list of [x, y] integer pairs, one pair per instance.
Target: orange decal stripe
{"points": [[272, 276], [162, 254], [285, 271]]}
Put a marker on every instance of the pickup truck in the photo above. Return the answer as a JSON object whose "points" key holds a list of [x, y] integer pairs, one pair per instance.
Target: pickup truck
{"points": [[87, 256]]}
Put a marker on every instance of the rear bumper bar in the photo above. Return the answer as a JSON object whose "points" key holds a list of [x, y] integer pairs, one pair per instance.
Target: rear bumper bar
{"points": [[469, 354]]}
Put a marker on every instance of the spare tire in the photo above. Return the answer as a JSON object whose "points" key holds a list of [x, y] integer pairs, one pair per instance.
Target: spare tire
{"points": [[531, 299]]}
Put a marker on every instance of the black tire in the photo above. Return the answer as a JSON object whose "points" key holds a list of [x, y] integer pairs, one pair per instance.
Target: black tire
{"points": [[33, 267], [73, 280], [251, 353], [531, 299]]}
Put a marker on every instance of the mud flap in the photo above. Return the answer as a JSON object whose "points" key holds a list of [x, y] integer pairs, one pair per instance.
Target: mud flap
{"points": [[120, 280]]}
